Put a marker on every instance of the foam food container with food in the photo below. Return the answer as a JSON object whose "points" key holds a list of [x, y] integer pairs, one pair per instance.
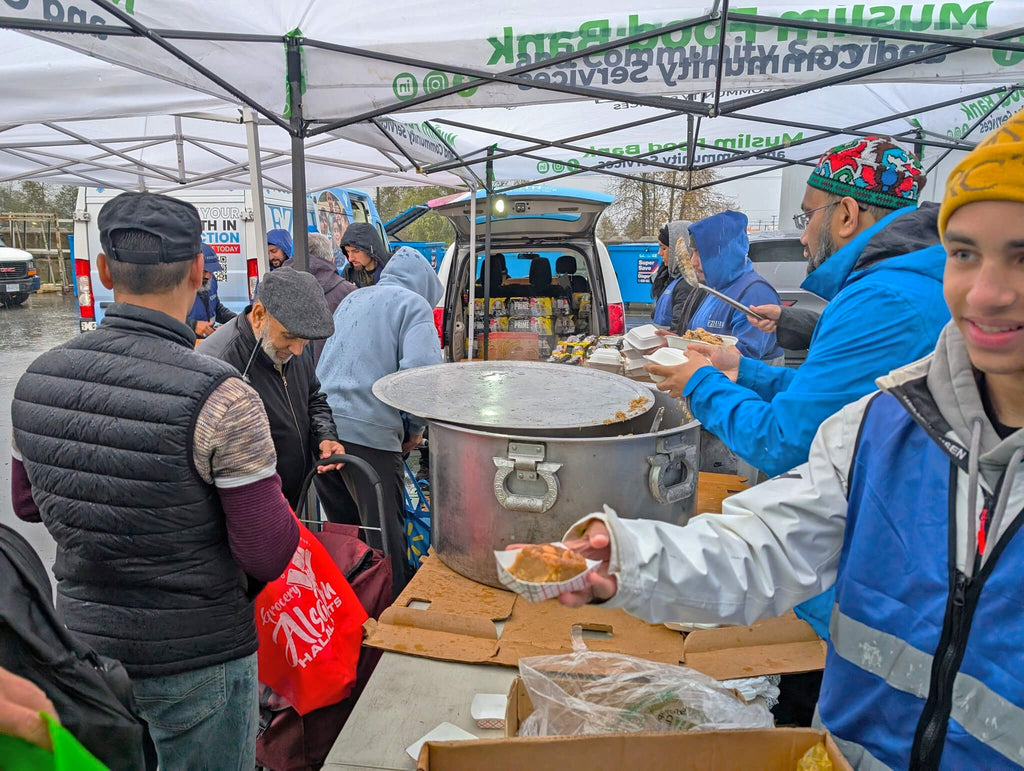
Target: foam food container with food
{"points": [[681, 343]]}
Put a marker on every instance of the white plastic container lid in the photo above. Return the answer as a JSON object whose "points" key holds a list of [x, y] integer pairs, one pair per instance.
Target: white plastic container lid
{"points": [[645, 336], [605, 356], [666, 356]]}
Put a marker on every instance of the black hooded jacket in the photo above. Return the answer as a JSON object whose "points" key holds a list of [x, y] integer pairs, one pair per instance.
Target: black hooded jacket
{"points": [[363, 236], [297, 408]]}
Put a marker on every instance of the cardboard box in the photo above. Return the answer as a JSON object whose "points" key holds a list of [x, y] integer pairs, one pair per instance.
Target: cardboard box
{"points": [[510, 346], [768, 749]]}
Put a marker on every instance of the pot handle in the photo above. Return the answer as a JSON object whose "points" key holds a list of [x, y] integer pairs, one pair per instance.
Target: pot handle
{"points": [[670, 452], [531, 504]]}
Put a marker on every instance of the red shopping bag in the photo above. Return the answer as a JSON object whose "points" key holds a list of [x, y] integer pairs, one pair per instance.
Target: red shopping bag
{"points": [[310, 626]]}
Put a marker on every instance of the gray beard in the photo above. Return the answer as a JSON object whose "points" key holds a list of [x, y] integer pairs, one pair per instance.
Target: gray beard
{"points": [[825, 248], [271, 352]]}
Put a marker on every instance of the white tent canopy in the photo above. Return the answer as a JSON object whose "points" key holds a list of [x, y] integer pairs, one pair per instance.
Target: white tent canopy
{"points": [[556, 90]]}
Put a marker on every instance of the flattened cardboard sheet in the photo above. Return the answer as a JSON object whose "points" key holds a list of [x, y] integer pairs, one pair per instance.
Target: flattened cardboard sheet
{"points": [[783, 645]]}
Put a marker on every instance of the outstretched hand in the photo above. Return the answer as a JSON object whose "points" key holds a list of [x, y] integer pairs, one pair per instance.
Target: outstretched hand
{"points": [[21, 701], [595, 544]]}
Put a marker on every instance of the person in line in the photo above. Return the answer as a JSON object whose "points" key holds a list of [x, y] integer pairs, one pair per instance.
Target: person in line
{"points": [[719, 258], [336, 289], [674, 299], [911, 504], [366, 254], [279, 247], [266, 343], [208, 309], [152, 467], [378, 330]]}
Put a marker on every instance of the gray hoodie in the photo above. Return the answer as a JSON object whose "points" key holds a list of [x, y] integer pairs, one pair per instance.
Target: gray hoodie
{"points": [[379, 330]]}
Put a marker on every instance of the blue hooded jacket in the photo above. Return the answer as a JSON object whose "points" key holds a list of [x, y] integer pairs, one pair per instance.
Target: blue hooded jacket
{"points": [[282, 239], [378, 330], [721, 240]]}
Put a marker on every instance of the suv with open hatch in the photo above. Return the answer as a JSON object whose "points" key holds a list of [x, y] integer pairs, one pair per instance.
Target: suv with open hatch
{"points": [[551, 277]]}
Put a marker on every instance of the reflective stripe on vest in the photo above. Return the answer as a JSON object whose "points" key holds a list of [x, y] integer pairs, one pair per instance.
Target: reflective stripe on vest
{"points": [[858, 757], [979, 710]]}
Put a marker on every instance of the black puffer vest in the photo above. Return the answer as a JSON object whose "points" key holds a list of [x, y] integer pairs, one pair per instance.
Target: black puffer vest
{"points": [[104, 424]]}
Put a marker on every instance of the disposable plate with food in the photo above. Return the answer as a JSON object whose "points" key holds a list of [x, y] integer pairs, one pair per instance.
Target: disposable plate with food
{"points": [[536, 591], [683, 342]]}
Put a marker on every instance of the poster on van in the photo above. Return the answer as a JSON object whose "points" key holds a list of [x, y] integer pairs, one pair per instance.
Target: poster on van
{"points": [[332, 220], [222, 232]]}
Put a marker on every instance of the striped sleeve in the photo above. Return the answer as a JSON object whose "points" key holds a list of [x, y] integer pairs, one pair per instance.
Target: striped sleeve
{"points": [[232, 446]]}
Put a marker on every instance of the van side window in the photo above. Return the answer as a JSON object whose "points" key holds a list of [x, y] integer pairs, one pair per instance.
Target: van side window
{"points": [[360, 212]]}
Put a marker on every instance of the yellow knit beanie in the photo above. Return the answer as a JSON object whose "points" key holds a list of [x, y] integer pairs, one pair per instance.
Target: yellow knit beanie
{"points": [[992, 171]]}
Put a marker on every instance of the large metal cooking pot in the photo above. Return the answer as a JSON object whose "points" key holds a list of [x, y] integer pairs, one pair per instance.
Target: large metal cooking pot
{"points": [[493, 485]]}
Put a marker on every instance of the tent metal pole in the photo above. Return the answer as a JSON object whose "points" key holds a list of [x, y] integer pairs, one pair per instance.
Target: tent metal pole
{"points": [[721, 54], [179, 147], [471, 259], [107, 149], [300, 235], [257, 250], [489, 178]]}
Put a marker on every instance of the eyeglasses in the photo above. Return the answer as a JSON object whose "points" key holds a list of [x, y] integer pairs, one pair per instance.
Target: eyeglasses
{"points": [[802, 219]]}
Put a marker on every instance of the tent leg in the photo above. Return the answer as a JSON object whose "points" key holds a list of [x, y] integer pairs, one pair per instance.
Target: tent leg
{"points": [[252, 141]]}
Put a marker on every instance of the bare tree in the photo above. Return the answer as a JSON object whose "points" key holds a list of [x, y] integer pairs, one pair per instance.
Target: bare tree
{"points": [[642, 206]]}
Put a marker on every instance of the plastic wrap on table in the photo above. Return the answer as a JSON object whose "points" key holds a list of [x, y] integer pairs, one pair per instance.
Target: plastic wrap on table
{"points": [[589, 692]]}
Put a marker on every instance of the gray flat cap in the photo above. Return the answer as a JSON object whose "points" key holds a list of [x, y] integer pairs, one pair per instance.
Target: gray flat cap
{"points": [[296, 299]]}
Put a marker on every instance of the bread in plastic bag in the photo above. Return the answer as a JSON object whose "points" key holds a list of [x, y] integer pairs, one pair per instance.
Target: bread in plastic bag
{"points": [[589, 692]]}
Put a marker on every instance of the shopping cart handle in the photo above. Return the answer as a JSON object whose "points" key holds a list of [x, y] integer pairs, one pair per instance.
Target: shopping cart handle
{"points": [[332, 459]]}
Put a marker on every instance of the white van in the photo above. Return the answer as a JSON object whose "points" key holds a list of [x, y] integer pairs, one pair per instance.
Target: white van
{"points": [[541, 227], [228, 227], [18, 277]]}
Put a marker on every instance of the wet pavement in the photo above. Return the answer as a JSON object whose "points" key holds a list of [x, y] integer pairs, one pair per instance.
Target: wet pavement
{"points": [[45, 320]]}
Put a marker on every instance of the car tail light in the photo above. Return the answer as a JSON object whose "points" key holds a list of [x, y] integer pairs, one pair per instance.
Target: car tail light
{"points": [[616, 319], [85, 299], [439, 324], [252, 272]]}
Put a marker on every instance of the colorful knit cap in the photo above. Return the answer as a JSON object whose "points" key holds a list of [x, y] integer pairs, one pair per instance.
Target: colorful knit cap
{"points": [[872, 170], [992, 171]]}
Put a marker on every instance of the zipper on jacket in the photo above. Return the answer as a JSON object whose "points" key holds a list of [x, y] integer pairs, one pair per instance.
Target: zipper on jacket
{"points": [[965, 592], [288, 396], [935, 717]]}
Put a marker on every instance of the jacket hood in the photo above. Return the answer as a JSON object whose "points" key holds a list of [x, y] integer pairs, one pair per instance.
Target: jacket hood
{"points": [[908, 247], [722, 242], [676, 230], [409, 269], [282, 239], [363, 236], [942, 392]]}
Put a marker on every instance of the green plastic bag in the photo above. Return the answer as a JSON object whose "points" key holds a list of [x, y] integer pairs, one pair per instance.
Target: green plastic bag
{"points": [[68, 755]]}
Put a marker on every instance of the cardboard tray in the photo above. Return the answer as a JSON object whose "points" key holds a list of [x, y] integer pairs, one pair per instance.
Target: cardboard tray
{"points": [[765, 749]]}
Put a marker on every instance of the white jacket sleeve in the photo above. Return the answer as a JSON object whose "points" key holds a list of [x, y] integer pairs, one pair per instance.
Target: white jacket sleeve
{"points": [[772, 547]]}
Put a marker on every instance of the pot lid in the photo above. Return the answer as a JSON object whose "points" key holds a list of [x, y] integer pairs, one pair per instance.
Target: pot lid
{"points": [[514, 395]]}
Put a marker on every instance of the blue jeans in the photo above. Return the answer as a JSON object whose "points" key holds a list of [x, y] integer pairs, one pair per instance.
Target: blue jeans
{"points": [[203, 719]]}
